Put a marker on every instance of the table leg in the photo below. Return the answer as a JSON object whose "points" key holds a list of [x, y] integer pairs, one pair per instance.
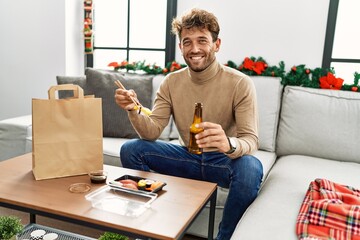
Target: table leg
{"points": [[212, 215], [32, 218]]}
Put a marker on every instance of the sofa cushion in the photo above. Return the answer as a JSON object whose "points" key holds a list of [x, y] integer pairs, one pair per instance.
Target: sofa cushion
{"points": [[14, 133], [157, 80], [174, 132], [283, 193], [111, 150], [268, 92], [77, 80], [320, 123], [115, 120]]}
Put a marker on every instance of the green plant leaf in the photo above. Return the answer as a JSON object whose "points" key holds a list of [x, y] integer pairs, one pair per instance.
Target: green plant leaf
{"points": [[112, 236], [10, 226]]}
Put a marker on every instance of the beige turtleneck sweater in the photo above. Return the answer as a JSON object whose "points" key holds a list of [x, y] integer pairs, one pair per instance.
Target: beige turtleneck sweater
{"points": [[228, 98]]}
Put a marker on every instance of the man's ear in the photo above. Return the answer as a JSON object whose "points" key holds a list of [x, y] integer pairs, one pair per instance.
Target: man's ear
{"points": [[217, 44], [181, 50]]}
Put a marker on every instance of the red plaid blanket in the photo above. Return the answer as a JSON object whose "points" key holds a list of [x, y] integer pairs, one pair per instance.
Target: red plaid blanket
{"points": [[329, 211]]}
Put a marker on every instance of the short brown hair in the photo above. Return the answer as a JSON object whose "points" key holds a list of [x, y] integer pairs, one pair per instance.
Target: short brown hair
{"points": [[196, 18]]}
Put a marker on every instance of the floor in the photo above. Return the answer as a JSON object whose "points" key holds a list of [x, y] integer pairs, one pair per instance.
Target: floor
{"points": [[93, 233]]}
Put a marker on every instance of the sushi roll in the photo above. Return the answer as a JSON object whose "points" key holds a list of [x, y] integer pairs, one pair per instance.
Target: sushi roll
{"points": [[142, 184]]}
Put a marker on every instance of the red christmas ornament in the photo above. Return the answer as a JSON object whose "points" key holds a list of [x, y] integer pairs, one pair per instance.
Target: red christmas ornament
{"points": [[331, 82], [354, 88]]}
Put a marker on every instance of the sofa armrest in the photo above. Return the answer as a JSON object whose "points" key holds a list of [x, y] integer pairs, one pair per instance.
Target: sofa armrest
{"points": [[14, 135]]}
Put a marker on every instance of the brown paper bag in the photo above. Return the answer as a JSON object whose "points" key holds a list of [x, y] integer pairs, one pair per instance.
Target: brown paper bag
{"points": [[66, 134]]}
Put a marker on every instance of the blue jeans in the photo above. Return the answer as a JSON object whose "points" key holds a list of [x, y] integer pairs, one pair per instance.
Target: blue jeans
{"points": [[242, 176]]}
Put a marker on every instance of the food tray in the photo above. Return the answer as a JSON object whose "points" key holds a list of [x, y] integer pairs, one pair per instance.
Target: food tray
{"points": [[121, 201], [116, 183]]}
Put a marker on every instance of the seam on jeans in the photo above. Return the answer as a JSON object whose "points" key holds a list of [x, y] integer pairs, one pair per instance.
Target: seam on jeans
{"points": [[146, 154], [218, 166]]}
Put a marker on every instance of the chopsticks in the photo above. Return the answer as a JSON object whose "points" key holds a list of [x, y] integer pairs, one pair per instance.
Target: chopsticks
{"points": [[119, 84], [138, 105]]}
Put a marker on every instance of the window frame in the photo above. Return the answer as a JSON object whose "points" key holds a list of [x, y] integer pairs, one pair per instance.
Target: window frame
{"points": [[170, 42], [329, 38]]}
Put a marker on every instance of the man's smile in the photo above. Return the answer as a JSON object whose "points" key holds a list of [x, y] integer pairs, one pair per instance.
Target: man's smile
{"points": [[196, 58]]}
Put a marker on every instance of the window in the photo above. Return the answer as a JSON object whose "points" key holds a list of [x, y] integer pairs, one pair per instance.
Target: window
{"points": [[342, 48], [133, 30]]}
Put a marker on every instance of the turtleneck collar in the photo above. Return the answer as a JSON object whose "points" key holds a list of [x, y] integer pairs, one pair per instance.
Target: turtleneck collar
{"points": [[205, 75]]}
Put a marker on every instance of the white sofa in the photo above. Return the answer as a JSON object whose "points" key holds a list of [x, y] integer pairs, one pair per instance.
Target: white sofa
{"points": [[318, 137], [304, 134]]}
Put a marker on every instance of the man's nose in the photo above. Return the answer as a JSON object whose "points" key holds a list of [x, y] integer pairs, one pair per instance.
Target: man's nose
{"points": [[195, 48]]}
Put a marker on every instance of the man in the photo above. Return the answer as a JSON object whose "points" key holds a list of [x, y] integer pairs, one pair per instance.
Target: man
{"points": [[230, 121]]}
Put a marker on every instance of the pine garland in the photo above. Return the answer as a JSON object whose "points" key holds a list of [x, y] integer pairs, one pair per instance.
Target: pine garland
{"points": [[298, 75]]}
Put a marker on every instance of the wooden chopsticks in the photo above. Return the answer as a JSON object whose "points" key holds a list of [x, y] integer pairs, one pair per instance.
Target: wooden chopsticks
{"points": [[138, 105], [119, 84]]}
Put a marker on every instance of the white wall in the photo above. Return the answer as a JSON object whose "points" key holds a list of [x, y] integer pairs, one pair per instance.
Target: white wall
{"points": [[292, 31], [40, 39], [33, 51], [74, 41]]}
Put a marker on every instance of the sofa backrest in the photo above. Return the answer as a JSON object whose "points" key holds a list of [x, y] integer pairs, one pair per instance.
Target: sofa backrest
{"points": [[268, 92], [268, 89], [156, 81], [320, 123]]}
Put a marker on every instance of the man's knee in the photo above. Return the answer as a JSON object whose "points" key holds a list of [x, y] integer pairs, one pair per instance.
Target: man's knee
{"points": [[127, 150], [250, 165], [252, 162], [129, 145]]}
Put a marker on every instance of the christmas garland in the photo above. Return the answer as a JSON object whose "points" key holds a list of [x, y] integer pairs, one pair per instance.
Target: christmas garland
{"points": [[147, 68], [298, 75]]}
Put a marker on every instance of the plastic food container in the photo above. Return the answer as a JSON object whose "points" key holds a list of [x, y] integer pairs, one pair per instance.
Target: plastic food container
{"points": [[121, 201]]}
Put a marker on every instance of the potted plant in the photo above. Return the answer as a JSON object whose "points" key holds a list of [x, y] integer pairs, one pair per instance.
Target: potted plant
{"points": [[112, 236], [10, 226]]}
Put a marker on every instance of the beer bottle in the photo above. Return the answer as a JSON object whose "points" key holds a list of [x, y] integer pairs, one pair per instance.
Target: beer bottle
{"points": [[193, 147]]}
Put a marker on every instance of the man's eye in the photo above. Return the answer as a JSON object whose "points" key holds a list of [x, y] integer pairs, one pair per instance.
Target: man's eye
{"points": [[186, 43]]}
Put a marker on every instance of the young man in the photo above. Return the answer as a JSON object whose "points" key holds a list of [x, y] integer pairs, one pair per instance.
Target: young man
{"points": [[230, 121]]}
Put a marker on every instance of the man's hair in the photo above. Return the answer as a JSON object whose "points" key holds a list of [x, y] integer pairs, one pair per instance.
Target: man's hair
{"points": [[197, 18]]}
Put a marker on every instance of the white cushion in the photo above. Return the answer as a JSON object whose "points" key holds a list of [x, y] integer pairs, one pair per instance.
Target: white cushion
{"points": [[267, 160], [165, 135], [320, 123], [13, 135], [268, 92], [274, 212], [111, 150], [157, 80]]}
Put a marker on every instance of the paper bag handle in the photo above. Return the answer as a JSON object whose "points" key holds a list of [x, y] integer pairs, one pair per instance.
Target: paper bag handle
{"points": [[78, 91]]}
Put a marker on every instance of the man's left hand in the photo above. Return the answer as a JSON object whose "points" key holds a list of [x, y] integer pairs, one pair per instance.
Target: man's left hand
{"points": [[213, 136]]}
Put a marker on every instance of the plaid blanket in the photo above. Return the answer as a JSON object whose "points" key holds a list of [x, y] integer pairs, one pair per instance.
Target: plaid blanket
{"points": [[329, 211]]}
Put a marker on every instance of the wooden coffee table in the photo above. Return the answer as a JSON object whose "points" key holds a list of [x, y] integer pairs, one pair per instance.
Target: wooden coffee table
{"points": [[170, 215]]}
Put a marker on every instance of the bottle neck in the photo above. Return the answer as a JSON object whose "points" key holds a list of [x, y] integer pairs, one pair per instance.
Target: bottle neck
{"points": [[198, 113]]}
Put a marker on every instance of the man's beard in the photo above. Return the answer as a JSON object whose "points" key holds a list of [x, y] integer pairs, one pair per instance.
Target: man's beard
{"points": [[201, 67]]}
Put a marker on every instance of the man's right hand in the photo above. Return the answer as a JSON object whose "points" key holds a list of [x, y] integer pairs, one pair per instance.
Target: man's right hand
{"points": [[123, 98]]}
